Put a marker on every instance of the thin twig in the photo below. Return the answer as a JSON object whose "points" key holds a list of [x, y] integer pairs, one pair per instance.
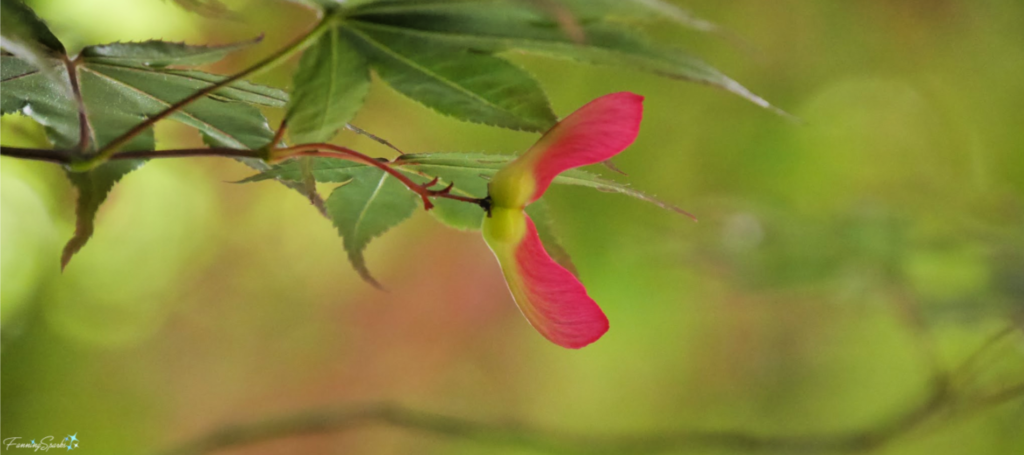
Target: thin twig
{"points": [[347, 418], [111, 148], [963, 373], [941, 401], [279, 135], [52, 156], [908, 311]]}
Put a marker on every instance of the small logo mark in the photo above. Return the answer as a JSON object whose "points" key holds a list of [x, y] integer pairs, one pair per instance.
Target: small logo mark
{"points": [[43, 445]]}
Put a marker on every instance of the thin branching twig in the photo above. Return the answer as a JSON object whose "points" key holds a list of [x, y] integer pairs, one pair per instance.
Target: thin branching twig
{"points": [[110, 149], [942, 406], [337, 420]]}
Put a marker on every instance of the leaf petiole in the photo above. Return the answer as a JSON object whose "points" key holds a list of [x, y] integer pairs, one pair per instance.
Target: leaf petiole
{"points": [[335, 151]]}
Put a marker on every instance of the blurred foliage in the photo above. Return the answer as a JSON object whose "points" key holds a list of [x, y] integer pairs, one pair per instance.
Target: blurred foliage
{"points": [[834, 265]]}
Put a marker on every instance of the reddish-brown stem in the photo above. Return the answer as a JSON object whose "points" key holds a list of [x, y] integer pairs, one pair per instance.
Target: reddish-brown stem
{"points": [[280, 133], [335, 151], [84, 129]]}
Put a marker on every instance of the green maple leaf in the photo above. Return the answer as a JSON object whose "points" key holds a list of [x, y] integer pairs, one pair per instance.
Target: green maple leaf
{"points": [[455, 81], [121, 84], [368, 204], [446, 55], [495, 26], [331, 83]]}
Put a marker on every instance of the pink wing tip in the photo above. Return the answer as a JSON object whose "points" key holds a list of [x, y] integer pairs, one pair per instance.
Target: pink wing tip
{"points": [[556, 303], [594, 332], [623, 100]]}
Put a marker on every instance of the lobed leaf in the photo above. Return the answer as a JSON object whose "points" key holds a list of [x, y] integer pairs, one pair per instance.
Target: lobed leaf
{"points": [[115, 98], [331, 83], [230, 124], [369, 204], [470, 86], [497, 26], [136, 93]]}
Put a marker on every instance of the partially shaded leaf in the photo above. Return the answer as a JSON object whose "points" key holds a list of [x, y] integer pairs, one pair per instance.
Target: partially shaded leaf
{"points": [[469, 86], [366, 207], [326, 170], [24, 34], [238, 91], [19, 23], [119, 97], [261, 166], [330, 85], [47, 100], [116, 98], [504, 26], [230, 124], [93, 187], [161, 53]]}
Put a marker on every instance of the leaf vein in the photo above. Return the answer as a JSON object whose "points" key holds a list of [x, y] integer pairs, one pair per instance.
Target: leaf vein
{"points": [[401, 58], [184, 112]]}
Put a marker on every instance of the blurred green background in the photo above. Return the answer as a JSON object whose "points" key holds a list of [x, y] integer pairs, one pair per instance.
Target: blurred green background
{"points": [[835, 266]]}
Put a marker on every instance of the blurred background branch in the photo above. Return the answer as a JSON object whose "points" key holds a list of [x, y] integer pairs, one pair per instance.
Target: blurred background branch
{"points": [[943, 406]]}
